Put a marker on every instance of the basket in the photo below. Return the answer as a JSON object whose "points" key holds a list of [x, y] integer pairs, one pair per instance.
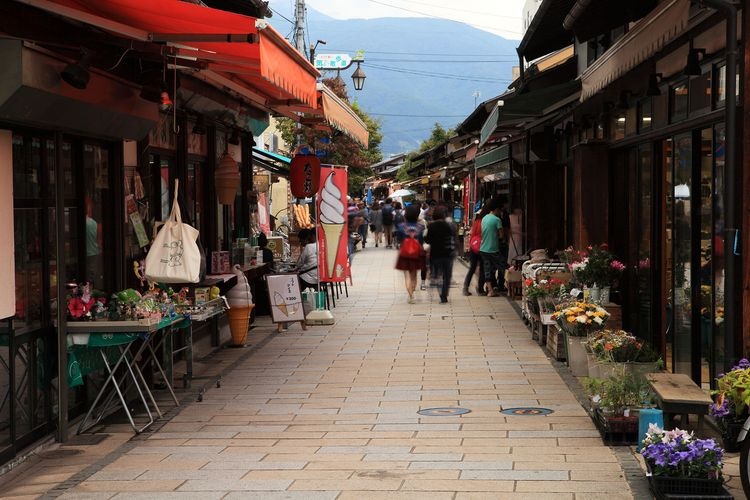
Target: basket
{"points": [[686, 487], [617, 430]]}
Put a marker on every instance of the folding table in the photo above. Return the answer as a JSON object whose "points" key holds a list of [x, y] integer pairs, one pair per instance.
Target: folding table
{"points": [[123, 372]]}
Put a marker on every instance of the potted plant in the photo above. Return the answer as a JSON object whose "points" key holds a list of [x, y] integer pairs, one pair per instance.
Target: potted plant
{"points": [[538, 292], [681, 465], [614, 348], [578, 320], [616, 401], [731, 400], [596, 268]]}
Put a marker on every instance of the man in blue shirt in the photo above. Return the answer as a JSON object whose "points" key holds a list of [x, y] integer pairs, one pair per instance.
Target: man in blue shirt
{"points": [[490, 248]]}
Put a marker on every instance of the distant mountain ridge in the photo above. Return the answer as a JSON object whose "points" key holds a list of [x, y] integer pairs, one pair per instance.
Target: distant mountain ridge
{"points": [[398, 53]]}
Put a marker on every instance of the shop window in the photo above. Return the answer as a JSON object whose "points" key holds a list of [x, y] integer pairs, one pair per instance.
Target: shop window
{"points": [[617, 126], [700, 93], [678, 102], [645, 115]]}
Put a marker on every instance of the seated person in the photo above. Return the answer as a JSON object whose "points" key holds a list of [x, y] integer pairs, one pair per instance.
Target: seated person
{"points": [[267, 253], [307, 263]]}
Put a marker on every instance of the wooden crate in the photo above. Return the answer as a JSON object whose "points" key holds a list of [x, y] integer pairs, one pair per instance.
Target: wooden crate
{"points": [[556, 343]]}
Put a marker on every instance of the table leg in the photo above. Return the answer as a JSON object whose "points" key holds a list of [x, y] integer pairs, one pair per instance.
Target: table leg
{"points": [[167, 381], [189, 356]]}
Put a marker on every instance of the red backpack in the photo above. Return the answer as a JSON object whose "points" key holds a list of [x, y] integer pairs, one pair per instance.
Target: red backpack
{"points": [[410, 247]]}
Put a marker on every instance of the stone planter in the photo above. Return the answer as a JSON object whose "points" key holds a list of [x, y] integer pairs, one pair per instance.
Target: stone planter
{"points": [[577, 360], [640, 370]]}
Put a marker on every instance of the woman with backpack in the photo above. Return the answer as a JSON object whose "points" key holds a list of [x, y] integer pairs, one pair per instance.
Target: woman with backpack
{"points": [[475, 260], [411, 254]]}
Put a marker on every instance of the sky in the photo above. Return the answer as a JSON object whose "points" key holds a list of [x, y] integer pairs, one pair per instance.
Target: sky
{"points": [[501, 17]]}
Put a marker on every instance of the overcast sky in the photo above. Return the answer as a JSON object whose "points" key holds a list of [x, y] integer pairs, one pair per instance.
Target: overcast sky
{"points": [[502, 17]]}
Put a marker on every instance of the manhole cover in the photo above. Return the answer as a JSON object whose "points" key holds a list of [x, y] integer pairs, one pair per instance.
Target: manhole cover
{"points": [[443, 412], [527, 412]]}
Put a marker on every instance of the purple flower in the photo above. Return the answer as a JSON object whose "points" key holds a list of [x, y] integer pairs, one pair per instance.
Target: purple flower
{"points": [[720, 410], [742, 365]]}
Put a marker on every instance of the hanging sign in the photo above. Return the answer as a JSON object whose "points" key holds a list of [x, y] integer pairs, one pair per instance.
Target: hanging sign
{"points": [[332, 61], [333, 232], [304, 175]]}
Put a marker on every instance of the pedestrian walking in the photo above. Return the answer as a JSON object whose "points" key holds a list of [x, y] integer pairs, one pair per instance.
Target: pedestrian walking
{"points": [[387, 215], [490, 248], [411, 254], [364, 213], [442, 240], [475, 260], [376, 222]]}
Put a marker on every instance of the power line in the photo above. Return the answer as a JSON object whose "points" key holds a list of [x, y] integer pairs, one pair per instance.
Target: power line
{"points": [[446, 61], [518, 18], [418, 116], [438, 75], [282, 16], [438, 17], [429, 53]]}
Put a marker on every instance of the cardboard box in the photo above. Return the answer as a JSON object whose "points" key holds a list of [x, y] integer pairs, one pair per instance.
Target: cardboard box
{"points": [[202, 295]]}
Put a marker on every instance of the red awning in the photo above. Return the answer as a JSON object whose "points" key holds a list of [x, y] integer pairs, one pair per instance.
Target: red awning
{"points": [[243, 49]]}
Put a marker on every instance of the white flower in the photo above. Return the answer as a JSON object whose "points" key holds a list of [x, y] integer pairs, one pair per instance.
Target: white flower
{"points": [[598, 320], [581, 319]]}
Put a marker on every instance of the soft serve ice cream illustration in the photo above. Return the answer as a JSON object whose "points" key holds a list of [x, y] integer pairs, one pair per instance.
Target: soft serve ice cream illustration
{"points": [[331, 220], [240, 299]]}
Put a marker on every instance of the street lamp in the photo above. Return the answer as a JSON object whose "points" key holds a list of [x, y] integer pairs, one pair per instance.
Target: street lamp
{"points": [[358, 77], [312, 51]]}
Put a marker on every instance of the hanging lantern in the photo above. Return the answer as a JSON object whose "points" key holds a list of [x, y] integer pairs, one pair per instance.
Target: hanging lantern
{"points": [[227, 179], [304, 175]]}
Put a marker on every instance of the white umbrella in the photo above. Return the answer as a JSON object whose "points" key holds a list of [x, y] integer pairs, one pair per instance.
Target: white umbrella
{"points": [[401, 193]]}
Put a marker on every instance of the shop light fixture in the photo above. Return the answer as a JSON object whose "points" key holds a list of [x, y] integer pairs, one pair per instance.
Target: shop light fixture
{"points": [[77, 74], [693, 66], [200, 126], [234, 139], [682, 191], [653, 90]]}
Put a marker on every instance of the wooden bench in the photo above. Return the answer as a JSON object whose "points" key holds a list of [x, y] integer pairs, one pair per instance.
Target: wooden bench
{"points": [[677, 394]]}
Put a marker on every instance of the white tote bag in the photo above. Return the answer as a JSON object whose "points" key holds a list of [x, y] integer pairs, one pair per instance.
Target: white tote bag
{"points": [[174, 256]]}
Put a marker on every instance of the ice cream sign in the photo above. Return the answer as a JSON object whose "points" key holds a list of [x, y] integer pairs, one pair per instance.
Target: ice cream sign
{"points": [[332, 227]]}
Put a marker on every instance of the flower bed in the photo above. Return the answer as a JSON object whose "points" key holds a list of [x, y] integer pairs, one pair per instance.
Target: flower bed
{"points": [[581, 318]]}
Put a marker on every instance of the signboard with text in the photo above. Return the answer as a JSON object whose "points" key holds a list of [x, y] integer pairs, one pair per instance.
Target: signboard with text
{"points": [[332, 61]]}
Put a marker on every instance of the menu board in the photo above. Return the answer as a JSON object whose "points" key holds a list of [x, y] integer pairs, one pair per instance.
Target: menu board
{"points": [[285, 297]]}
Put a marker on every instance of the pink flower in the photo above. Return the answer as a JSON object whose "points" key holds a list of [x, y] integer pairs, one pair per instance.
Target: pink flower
{"points": [[617, 265]]}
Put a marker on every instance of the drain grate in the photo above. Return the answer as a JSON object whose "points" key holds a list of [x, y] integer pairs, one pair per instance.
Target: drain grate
{"points": [[527, 411], [443, 412]]}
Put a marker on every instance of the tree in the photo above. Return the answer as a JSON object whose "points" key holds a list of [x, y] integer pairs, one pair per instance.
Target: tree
{"points": [[438, 136], [338, 148]]}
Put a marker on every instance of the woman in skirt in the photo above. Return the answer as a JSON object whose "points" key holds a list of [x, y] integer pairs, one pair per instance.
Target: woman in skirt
{"points": [[410, 264]]}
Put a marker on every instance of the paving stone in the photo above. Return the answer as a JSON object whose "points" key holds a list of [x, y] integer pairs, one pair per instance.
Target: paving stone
{"points": [[239, 485]]}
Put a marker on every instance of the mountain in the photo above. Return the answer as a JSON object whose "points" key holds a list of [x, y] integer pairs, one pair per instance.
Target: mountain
{"points": [[420, 71]]}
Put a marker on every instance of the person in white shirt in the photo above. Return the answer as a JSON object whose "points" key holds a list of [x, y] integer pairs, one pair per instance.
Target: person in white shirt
{"points": [[307, 263]]}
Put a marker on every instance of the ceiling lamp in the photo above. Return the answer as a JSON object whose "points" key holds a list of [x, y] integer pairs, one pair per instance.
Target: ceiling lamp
{"points": [[693, 66]]}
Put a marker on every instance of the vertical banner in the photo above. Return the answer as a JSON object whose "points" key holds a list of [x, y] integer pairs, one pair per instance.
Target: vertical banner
{"points": [[333, 232], [467, 208]]}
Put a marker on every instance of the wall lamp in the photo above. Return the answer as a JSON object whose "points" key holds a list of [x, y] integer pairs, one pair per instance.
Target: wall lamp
{"points": [[77, 74], [654, 79], [358, 77], [693, 66]]}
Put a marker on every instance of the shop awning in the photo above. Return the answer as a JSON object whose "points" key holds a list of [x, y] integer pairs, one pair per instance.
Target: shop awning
{"points": [[589, 18], [274, 163], [643, 40], [546, 34], [333, 112], [516, 108], [242, 49], [492, 157]]}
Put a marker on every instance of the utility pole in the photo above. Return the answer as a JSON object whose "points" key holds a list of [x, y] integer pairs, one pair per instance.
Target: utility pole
{"points": [[299, 26]]}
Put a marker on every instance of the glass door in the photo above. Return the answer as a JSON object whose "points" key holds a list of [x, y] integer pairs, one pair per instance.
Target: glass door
{"points": [[643, 218]]}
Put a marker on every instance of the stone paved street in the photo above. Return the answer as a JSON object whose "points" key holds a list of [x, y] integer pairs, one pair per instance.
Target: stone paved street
{"points": [[332, 413]]}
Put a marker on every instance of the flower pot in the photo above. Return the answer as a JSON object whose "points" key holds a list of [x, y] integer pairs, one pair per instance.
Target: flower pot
{"points": [[604, 295], [730, 430], [595, 294], [594, 365], [577, 360], [678, 486], [617, 430]]}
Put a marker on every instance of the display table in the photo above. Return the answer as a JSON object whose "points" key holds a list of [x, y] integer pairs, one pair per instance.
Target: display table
{"points": [[115, 343]]}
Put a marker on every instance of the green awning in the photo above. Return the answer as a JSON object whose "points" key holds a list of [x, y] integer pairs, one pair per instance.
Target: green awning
{"points": [[516, 108], [272, 156], [491, 157]]}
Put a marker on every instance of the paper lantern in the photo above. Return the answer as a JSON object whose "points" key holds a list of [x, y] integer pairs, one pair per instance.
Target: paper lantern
{"points": [[304, 175]]}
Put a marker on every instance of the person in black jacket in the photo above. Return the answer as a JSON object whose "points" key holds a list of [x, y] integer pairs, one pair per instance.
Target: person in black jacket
{"points": [[441, 238]]}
